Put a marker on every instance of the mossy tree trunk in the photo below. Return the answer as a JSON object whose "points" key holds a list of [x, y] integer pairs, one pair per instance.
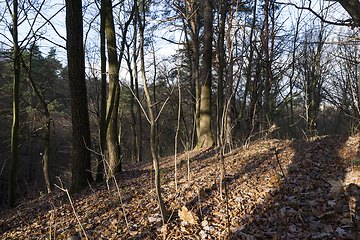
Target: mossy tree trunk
{"points": [[113, 146]]}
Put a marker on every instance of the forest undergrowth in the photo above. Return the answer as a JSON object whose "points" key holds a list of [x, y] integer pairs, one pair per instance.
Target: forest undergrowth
{"points": [[274, 189]]}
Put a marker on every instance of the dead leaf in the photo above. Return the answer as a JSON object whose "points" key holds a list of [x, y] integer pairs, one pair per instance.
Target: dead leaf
{"points": [[293, 228], [337, 187], [328, 229], [331, 203], [202, 192], [317, 212], [154, 219], [346, 221], [187, 216], [340, 231], [204, 223]]}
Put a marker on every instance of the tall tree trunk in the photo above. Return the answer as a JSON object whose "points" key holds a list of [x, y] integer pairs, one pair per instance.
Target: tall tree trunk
{"points": [[114, 92], [291, 77], [206, 137], [196, 79], [103, 125], [192, 21], [141, 21], [265, 42], [157, 137], [315, 86], [229, 79], [132, 113], [221, 54], [16, 111], [81, 163], [139, 133], [46, 157]]}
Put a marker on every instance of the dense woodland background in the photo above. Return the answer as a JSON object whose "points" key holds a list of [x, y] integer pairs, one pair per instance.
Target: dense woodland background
{"points": [[274, 70]]}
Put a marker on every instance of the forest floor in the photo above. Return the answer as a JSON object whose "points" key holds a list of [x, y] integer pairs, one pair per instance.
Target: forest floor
{"points": [[315, 198]]}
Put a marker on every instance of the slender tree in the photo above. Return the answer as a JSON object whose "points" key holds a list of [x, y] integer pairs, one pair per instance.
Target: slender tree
{"points": [[47, 125], [103, 125], [221, 68], [132, 111], [137, 93], [141, 21], [191, 19], [16, 110]]}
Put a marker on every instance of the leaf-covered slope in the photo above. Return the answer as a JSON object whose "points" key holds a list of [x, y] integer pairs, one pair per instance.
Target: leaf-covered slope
{"points": [[314, 200]]}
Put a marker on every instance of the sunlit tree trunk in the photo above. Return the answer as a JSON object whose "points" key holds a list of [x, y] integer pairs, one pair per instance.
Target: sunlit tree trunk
{"points": [[206, 136], [141, 21], [114, 92], [191, 26]]}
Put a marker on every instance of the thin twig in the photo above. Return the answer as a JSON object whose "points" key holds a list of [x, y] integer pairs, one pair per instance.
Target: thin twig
{"points": [[72, 206]]}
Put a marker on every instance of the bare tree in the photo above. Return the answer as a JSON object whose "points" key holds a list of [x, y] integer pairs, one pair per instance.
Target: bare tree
{"points": [[141, 21]]}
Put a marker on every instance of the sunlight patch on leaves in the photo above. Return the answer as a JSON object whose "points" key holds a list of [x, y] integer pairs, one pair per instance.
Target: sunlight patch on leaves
{"points": [[187, 216]]}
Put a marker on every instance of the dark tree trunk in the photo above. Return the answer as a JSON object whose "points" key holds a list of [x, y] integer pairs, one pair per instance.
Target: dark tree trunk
{"points": [[16, 112], [81, 164]]}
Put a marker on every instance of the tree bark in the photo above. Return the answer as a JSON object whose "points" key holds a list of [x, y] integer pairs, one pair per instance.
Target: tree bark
{"points": [[353, 8], [206, 137], [114, 92], [132, 113], [81, 164], [103, 125], [141, 21], [16, 111], [136, 78], [221, 54], [191, 26]]}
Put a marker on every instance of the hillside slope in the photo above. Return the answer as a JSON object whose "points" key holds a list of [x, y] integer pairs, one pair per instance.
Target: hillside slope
{"points": [[314, 200]]}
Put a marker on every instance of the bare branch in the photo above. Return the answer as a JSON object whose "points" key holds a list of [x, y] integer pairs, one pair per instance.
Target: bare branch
{"points": [[340, 23]]}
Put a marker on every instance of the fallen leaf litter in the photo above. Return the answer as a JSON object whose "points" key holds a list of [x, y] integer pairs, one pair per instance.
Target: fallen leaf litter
{"points": [[316, 199]]}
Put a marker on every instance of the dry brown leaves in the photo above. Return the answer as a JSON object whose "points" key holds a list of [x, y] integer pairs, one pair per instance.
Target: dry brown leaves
{"points": [[318, 198]]}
